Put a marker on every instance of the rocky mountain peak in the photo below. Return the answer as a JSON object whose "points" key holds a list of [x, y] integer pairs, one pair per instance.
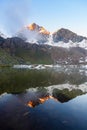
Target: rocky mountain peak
{"points": [[33, 26], [38, 28], [66, 35], [34, 33]]}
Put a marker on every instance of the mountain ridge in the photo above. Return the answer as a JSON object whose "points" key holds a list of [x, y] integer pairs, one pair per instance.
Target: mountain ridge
{"points": [[34, 33], [44, 50]]}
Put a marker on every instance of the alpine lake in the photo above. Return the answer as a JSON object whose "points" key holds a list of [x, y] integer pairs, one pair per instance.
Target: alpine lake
{"points": [[50, 98]]}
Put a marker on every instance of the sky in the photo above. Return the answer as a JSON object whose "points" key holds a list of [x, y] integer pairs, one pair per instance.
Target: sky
{"points": [[52, 14]]}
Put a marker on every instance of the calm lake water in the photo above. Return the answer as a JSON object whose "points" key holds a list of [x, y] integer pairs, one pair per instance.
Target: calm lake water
{"points": [[43, 99]]}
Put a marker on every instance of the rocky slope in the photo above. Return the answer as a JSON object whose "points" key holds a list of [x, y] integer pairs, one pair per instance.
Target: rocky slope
{"points": [[25, 52]]}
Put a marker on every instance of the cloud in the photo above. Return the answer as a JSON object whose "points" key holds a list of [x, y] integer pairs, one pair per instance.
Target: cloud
{"points": [[15, 15]]}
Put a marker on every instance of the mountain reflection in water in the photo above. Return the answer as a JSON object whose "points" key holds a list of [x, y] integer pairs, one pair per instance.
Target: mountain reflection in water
{"points": [[39, 101], [42, 100]]}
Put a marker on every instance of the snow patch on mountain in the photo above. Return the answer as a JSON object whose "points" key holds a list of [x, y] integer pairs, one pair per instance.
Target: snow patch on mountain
{"points": [[82, 44], [2, 35]]}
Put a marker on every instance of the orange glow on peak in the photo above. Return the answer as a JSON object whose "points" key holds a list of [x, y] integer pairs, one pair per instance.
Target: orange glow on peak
{"points": [[32, 26], [44, 31], [40, 29]]}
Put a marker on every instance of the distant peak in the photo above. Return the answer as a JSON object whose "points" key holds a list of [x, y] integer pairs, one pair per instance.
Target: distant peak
{"points": [[65, 30]]}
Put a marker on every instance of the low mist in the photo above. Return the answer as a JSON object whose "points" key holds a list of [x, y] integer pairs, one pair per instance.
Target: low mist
{"points": [[15, 15]]}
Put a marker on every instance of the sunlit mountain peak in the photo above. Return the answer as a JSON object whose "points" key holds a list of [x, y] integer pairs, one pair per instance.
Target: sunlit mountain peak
{"points": [[32, 26]]}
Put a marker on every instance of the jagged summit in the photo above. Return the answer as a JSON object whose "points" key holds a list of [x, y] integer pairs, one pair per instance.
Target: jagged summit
{"points": [[32, 26], [34, 33], [40, 29]]}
